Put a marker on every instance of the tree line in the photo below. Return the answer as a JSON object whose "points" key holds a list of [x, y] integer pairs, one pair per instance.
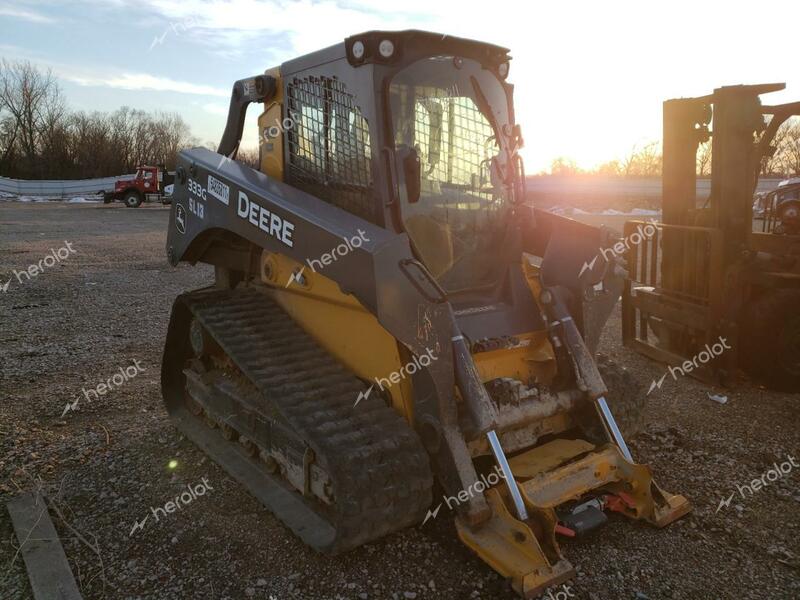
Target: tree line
{"points": [[41, 138], [646, 160]]}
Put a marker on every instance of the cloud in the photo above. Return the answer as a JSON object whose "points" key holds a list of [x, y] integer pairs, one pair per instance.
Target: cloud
{"points": [[96, 76], [239, 25], [215, 109], [26, 15], [143, 81]]}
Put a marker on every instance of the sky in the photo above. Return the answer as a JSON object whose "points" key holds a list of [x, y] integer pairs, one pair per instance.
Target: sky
{"points": [[589, 77]]}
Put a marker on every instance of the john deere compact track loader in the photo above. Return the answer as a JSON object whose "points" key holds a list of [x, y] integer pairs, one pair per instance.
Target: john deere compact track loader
{"points": [[388, 313]]}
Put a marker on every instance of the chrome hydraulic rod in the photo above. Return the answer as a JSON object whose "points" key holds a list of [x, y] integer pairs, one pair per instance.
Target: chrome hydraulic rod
{"points": [[615, 435], [513, 488]]}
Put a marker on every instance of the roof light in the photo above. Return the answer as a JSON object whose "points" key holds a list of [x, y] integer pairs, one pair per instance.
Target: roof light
{"points": [[386, 48], [502, 70], [358, 50]]}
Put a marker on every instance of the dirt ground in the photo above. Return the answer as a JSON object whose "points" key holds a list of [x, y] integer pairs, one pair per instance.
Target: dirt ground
{"points": [[106, 305]]}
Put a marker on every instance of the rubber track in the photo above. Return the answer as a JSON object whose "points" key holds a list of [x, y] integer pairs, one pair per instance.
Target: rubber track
{"points": [[380, 471]]}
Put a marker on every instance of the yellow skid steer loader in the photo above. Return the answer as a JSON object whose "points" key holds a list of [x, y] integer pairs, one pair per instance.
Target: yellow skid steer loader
{"points": [[388, 314]]}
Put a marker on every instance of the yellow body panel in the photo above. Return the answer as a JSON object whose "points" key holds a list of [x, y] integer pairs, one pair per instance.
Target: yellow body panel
{"points": [[532, 360], [271, 128], [339, 323]]}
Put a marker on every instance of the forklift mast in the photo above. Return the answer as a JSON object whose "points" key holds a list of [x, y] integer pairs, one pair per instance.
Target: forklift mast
{"points": [[738, 143]]}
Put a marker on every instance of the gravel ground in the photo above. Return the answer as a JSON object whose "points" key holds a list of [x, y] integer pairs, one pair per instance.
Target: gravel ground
{"points": [[109, 460]]}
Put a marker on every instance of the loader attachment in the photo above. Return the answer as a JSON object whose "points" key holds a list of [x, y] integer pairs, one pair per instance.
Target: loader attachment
{"points": [[552, 476]]}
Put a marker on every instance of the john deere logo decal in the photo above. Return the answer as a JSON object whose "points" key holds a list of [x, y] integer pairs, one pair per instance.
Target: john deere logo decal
{"points": [[180, 218]]}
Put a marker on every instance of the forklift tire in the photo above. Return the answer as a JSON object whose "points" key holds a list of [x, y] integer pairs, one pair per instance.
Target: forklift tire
{"points": [[132, 200], [771, 340], [626, 399]]}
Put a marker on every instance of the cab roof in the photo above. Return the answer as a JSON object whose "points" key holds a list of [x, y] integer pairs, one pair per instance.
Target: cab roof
{"points": [[434, 43]]}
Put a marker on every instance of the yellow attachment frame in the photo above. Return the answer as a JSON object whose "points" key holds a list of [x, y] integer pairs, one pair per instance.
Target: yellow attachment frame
{"points": [[549, 476]]}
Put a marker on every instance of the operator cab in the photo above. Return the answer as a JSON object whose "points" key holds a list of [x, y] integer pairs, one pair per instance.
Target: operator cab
{"points": [[433, 153]]}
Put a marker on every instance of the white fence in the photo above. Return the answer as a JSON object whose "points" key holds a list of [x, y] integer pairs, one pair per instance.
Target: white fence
{"points": [[57, 189], [589, 185]]}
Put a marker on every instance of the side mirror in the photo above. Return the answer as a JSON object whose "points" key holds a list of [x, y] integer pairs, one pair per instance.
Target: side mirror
{"points": [[412, 172], [496, 176]]}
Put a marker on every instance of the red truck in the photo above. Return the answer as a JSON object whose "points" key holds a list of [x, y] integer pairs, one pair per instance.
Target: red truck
{"points": [[147, 186]]}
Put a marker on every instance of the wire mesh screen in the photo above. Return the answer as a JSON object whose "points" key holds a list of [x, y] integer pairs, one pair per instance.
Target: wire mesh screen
{"points": [[458, 222], [329, 146], [455, 143], [454, 148]]}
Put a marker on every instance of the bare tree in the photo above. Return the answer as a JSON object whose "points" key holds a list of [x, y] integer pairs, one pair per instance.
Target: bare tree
{"points": [[564, 166], [612, 168], [788, 148], [41, 138], [249, 156], [170, 134], [704, 159], [771, 162], [31, 99], [8, 138], [642, 162], [122, 127]]}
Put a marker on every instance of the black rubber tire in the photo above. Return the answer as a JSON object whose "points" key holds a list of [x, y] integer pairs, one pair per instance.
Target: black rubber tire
{"points": [[787, 217], [771, 340], [626, 396], [132, 200]]}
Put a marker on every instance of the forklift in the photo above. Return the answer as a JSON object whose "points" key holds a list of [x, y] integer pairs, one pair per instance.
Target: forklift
{"points": [[706, 277]]}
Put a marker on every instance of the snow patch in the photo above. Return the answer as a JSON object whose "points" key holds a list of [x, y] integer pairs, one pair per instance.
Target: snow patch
{"points": [[611, 212], [6, 197]]}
